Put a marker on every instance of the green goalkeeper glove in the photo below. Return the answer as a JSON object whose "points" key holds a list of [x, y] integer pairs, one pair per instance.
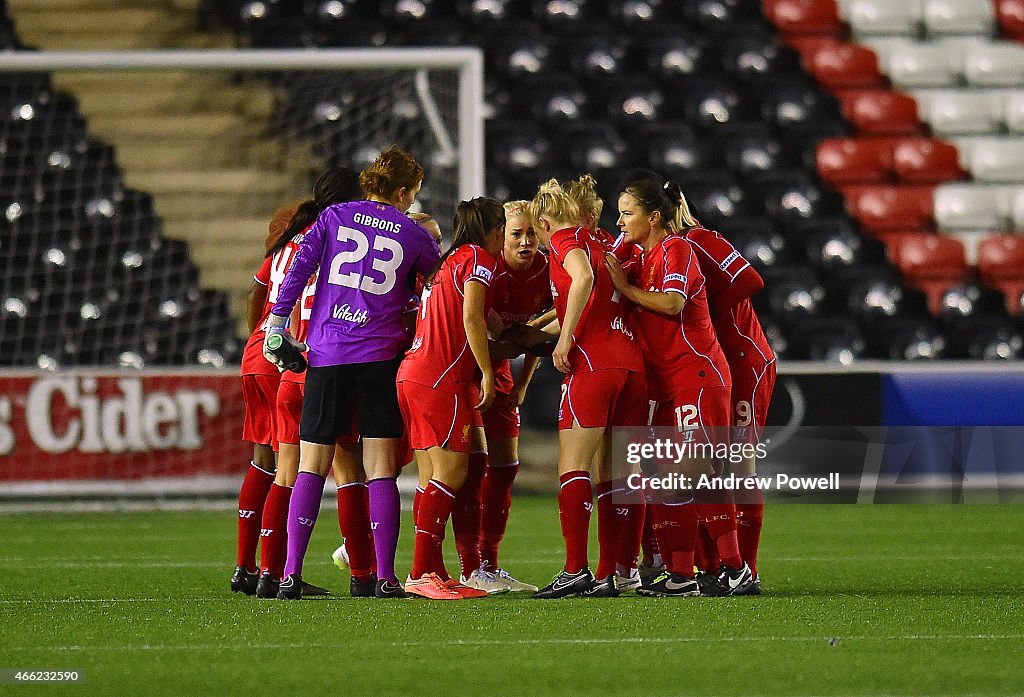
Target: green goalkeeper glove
{"points": [[280, 348]]}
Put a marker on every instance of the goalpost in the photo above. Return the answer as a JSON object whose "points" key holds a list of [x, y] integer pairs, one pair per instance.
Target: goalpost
{"points": [[137, 191]]}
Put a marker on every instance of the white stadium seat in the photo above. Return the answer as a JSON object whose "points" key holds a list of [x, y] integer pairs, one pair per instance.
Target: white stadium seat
{"points": [[958, 112], [882, 17], [1012, 110], [1017, 209], [915, 64], [992, 159], [994, 64], [973, 207], [958, 17]]}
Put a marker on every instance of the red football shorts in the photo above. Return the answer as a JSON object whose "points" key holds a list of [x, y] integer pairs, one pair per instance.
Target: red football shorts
{"points": [[701, 415], [474, 398], [289, 411], [259, 395], [603, 399], [435, 418], [502, 419], [752, 388]]}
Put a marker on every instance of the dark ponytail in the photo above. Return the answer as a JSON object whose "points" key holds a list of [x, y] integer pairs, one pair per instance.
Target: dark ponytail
{"points": [[336, 185], [474, 219], [655, 193]]}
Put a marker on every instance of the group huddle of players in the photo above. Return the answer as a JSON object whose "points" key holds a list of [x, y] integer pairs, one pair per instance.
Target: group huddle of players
{"points": [[409, 360]]}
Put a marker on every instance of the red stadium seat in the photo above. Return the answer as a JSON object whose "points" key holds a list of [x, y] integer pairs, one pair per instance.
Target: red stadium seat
{"points": [[931, 263], [1010, 15], [926, 161], [881, 208], [805, 17], [843, 161], [839, 65], [880, 112], [1001, 265]]}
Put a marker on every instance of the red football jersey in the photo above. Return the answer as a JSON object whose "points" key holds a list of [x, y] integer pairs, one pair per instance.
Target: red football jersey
{"points": [[271, 274], [300, 324], [731, 280], [681, 351], [440, 356], [517, 296], [604, 337]]}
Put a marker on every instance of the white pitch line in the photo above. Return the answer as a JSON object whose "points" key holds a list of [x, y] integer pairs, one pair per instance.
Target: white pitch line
{"points": [[150, 562], [529, 642]]}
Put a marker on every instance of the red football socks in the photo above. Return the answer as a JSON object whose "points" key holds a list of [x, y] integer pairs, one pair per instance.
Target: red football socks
{"points": [[575, 502], [608, 528], [274, 533], [631, 501], [251, 499], [466, 518], [354, 523], [648, 540], [679, 527], [435, 508], [718, 514], [495, 504], [749, 519]]}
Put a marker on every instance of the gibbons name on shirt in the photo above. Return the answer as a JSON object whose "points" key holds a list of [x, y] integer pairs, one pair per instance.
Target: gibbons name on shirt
{"points": [[370, 221], [346, 314]]}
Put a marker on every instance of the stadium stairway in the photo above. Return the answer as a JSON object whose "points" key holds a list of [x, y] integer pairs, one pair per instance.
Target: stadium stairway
{"points": [[194, 141]]}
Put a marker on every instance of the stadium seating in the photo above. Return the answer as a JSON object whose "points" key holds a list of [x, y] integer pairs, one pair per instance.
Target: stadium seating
{"points": [[804, 17], [783, 133], [993, 159], [959, 112], [1001, 266], [958, 17], [868, 17], [81, 255], [881, 208], [931, 263], [1010, 16], [986, 338], [973, 207], [840, 65], [994, 65], [925, 161], [880, 112]]}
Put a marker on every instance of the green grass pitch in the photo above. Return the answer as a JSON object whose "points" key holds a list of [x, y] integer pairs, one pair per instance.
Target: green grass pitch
{"points": [[919, 599]]}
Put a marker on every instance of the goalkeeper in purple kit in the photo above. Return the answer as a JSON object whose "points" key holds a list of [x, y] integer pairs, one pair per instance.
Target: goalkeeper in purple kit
{"points": [[369, 253]]}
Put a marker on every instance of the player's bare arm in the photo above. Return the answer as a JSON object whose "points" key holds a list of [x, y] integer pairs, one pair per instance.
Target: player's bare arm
{"points": [[582, 275], [475, 322], [665, 303], [255, 302]]}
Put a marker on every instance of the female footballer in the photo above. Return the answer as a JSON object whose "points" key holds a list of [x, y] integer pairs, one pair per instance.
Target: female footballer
{"points": [[604, 384], [368, 253], [436, 385], [689, 377]]}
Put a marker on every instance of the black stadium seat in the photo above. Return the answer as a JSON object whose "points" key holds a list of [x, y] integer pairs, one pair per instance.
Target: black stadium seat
{"points": [[755, 58], [597, 148], [674, 55]]}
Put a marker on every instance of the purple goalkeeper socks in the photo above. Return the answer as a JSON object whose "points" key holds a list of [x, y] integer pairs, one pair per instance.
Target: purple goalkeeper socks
{"points": [[302, 512], [385, 521]]}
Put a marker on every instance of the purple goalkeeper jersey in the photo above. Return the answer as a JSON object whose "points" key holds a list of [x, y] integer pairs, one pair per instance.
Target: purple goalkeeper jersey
{"points": [[369, 254]]}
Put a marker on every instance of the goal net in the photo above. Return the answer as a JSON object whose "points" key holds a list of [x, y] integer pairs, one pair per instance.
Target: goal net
{"points": [[135, 194]]}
